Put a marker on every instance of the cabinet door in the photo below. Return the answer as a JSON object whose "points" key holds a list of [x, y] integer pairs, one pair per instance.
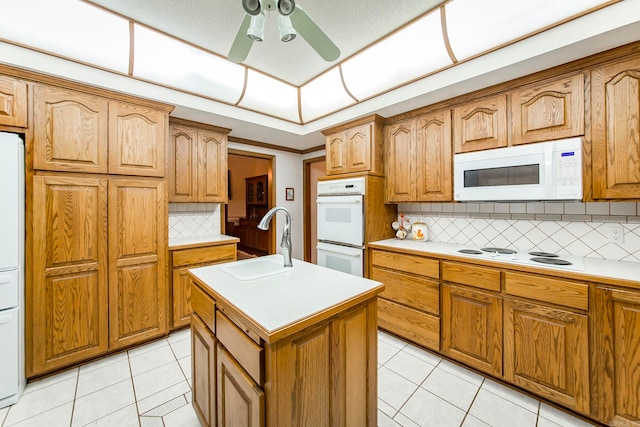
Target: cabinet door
{"points": [[472, 328], [480, 125], [67, 300], [69, 130], [336, 154], [183, 161], [137, 260], [546, 350], [13, 102], [203, 366], [181, 292], [617, 353], [240, 401], [433, 157], [358, 144], [616, 130], [400, 172], [137, 139], [548, 111], [212, 167]]}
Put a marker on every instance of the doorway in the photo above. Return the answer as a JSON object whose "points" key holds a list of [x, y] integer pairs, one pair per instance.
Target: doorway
{"points": [[251, 195], [313, 170]]}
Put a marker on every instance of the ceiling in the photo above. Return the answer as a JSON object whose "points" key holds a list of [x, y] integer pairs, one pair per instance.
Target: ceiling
{"points": [[212, 24]]}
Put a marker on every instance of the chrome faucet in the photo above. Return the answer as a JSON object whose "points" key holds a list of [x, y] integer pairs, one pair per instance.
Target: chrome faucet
{"points": [[285, 244]]}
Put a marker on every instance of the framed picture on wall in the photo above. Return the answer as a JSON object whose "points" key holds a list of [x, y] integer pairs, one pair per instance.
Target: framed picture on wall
{"points": [[289, 194]]}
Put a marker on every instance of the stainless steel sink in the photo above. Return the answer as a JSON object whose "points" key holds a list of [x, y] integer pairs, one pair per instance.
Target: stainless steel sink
{"points": [[256, 268]]}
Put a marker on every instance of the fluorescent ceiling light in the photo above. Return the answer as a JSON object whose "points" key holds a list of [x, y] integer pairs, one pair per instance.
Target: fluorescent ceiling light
{"points": [[475, 27], [167, 61], [411, 53], [271, 96], [324, 95], [68, 28]]}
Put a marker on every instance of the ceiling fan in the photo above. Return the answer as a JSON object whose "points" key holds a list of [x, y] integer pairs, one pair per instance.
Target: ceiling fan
{"points": [[291, 18]]}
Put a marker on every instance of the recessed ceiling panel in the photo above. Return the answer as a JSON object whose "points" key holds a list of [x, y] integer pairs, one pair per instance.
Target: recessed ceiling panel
{"points": [[271, 97], [324, 95]]}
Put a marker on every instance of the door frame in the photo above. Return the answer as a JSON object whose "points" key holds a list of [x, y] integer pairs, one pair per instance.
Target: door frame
{"points": [[306, 206]]}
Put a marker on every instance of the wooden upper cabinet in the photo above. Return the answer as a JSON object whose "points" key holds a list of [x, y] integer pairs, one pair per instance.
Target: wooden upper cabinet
{"points": [[137, 139], [13, 102], [67, 312], [69, 130], [197, 164], [433, 158], [138, 291], [355, 147], [399, 176], [616, 130], [480, 125], [548, 111]]}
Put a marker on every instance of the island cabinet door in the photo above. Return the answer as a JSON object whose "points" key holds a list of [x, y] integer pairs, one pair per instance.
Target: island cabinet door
{"points": [[241, 403], [472, 328], [546, 350], [138, 291], [203, 366]]}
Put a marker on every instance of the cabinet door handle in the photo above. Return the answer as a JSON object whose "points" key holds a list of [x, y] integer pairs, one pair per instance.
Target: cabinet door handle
{"points": [[355, 254]]}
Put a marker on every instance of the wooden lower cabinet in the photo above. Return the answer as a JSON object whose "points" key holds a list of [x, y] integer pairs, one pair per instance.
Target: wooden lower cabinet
{"points": [[472, 327], [546, 351], [184, 259], [203, 360]]}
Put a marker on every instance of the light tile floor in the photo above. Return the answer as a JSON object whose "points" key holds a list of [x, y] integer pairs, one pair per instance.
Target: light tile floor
{"points": [[150, 386]]}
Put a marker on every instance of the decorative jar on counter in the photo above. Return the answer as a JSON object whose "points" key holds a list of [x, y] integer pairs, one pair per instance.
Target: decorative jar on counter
{"points": [[419, 231]]}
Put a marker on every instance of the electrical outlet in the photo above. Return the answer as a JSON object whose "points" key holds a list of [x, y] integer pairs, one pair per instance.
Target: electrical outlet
{"points": [[615, 233]]}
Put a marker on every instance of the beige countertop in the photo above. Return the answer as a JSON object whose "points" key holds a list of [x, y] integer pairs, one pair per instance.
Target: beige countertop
{"points": [[621, 273], [275, 302], [197, 241]]}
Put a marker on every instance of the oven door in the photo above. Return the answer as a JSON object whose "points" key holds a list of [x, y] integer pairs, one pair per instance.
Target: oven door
{"points": [[341, 258], [341, 219]]}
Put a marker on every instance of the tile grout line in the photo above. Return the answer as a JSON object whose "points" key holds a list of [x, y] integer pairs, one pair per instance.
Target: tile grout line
{"points": [[133, 385], [467, 413]]}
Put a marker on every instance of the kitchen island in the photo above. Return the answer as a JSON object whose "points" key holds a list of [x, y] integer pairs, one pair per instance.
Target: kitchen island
{"points": [[280, 348]]}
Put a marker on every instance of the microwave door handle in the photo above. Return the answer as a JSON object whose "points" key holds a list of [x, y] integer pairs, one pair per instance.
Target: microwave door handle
{"points": [[355, 254]]}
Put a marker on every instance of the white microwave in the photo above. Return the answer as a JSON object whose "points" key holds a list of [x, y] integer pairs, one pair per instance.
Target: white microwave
{"points": [[540, 171]]}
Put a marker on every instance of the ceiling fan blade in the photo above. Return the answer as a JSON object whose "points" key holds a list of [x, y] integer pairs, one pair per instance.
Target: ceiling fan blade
{"points": [[318, 40], [241, 44]]}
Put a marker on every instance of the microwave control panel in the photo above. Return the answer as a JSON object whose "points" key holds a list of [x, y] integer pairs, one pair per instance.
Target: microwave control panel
{"points": [[568, 173]]}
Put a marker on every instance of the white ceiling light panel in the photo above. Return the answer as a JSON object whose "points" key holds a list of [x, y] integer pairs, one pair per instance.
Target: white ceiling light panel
{"points": [[167, 61], [475, 27], [324, 95], [409, 54], [271, 96], [69, 28]]}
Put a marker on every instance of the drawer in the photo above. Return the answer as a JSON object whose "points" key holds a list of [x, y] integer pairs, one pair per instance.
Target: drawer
{"points": [[414, 291], [241, 347], [204, 306], [407, 263], [413, 325], [471, 275], [555, 291], [205, 254]]}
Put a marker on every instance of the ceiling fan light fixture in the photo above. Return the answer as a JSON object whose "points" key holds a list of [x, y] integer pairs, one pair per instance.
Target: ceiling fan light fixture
{"points": [[286, 7], [252, 7], [256, 28], [287, 32]]}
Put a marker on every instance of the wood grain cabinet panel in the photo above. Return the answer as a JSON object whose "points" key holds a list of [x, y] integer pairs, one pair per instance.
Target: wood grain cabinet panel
{"points": [[617, 340], [355, 147], [548, 111], [336, 153], [472, 328], [137, 139], [137, 260], [67, 315], [546, 350], [70, 130], [480, 125], [616, 130], [203, 361], [212, 167], [359, 140], [399, 167], [13, 102], [183, 164]]}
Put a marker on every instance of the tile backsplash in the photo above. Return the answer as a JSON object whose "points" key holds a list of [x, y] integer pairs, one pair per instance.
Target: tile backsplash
{"points": [[194, 219], [566, 228]]}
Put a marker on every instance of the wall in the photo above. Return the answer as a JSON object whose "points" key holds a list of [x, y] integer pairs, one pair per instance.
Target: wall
{"points": [[317, 170], [569, 228]]}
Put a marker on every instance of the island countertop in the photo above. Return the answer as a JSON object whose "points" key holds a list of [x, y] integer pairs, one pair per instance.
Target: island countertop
{"points": [[275, 304]]}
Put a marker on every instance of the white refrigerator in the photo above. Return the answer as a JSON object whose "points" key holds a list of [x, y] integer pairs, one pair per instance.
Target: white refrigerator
{"points": [[12, 377]]}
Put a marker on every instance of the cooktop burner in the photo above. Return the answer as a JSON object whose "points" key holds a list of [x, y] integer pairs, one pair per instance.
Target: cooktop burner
{"points": [[554, 261], [470, 251], [544, 254], [499, 250]]}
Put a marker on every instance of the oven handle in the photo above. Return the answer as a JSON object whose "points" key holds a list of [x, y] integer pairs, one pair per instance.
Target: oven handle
{"points": [[341, 200], [354, 253], [5, 319]]}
